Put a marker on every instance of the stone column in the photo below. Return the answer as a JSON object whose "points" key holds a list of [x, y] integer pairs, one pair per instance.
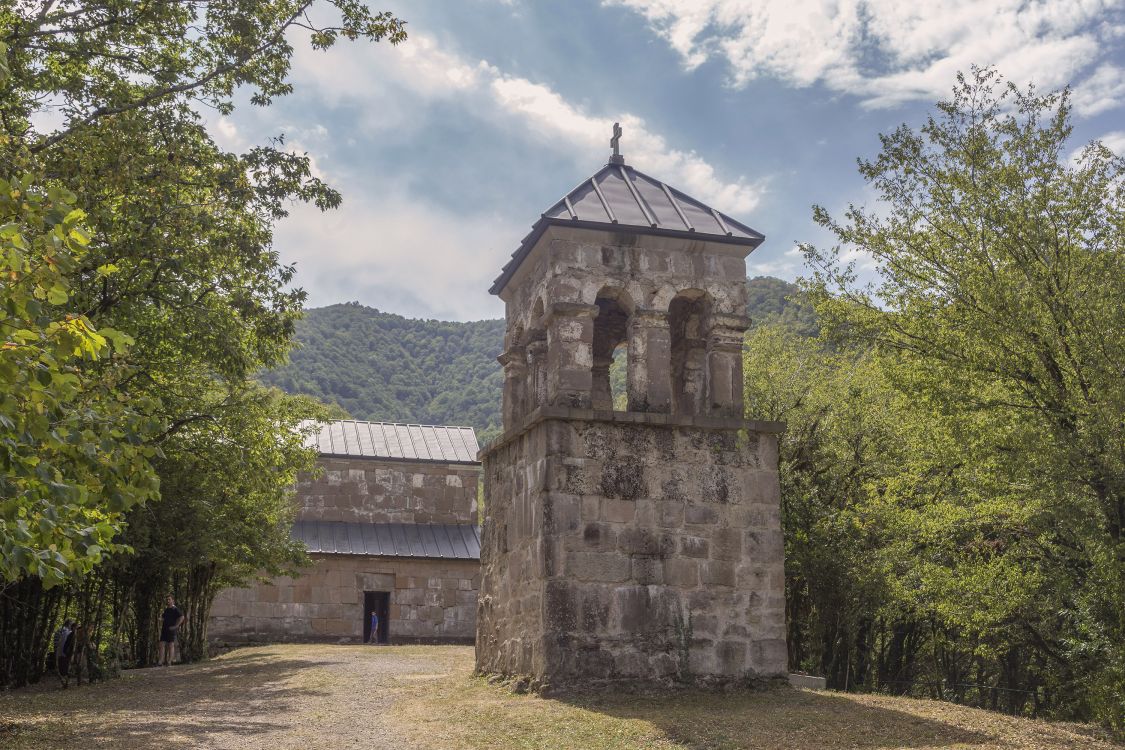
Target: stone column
{"points": [[570, 354], [601, 393], [515, 385], [536, 373], [724, 364], [650, 356]]}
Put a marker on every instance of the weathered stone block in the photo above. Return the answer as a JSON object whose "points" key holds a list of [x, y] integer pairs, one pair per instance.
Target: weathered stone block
{"points": [[717, 573], [622, 479], [597, 566], [697, 514], [647, 569], [671, 514], [694, 546], [599, 536], [633, 540], [681, 573], [769, 656], [726, 544], [732, 657], [619, 511]]}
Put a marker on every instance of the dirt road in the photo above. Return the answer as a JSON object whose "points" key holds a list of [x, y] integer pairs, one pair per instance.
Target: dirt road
{"points": [[309, 697]]}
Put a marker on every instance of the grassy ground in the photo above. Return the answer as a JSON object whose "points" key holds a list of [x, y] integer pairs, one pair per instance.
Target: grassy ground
{"points": [[319, 696]]}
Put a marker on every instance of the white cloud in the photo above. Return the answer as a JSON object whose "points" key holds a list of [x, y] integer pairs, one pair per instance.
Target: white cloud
{"points": [[555, 120], [398, 253], [1115, 142], [225, 133], [406, 252], [422, 68], [786, 266], [1103, 90], [888, 51]]}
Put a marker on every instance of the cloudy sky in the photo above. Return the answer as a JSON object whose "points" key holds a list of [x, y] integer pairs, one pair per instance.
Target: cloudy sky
{"points": [[448, 147]]}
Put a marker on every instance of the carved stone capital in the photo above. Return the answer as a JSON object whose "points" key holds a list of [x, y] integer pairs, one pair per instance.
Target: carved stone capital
{"points": [[513, 361], [569, 310], [649, 318], [738, 323], [725, 340]]}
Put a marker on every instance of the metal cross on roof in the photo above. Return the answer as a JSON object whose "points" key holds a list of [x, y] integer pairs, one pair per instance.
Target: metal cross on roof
{"points": [[615, 143]]}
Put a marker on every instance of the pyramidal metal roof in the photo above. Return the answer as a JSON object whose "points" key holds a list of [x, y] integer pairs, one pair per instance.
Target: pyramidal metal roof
{"points": [[403, 442], [438, 540], [621, 197]]}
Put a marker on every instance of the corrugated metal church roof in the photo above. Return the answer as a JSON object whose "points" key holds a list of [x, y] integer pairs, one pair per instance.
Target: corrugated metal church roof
{"points": [[619, 196], [409, 442], [436, 540]]}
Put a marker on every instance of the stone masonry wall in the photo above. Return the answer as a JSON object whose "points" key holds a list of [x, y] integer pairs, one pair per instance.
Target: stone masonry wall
{"points": [[510, 628], [431, 600], [368, 490], [635, 547]]}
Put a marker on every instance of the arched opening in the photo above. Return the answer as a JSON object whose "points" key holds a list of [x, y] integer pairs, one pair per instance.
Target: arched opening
{"points": [[687, 318], [611, 327], [536, 350], [619, 377]]}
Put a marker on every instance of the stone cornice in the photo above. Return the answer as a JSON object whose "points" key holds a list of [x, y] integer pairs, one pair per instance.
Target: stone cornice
{"points": [[569, 310], [566, 413]]}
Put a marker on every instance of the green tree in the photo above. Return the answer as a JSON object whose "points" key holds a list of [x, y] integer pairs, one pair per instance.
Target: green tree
{"points": [[72, 454], [100, 102], [225, 512], [999, 310], [840, 440], [178, 255]]}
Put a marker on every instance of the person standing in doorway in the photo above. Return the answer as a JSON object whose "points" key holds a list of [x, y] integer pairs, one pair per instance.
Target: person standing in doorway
{"points": [[170, 622], [374, 628]]}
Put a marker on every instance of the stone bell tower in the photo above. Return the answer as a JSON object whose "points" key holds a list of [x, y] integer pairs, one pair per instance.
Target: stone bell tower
{"points": [[641, 543]]}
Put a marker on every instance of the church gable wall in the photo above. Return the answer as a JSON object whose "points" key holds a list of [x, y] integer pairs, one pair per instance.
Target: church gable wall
{"points": [[368, 490], [430, 600]]}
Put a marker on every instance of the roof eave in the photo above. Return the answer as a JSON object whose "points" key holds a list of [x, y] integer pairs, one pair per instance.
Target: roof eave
{"points": [[545, 222], [395, 459]]}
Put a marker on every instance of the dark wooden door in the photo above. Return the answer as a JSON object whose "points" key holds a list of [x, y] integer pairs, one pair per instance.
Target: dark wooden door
{"points": [[378, 602]]}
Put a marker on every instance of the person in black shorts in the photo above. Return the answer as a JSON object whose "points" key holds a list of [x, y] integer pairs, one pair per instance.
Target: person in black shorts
{"points": [[170, 622]]}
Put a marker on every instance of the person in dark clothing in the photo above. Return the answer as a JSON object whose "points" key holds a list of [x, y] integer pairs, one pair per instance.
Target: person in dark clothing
{"points": [[374, 628], [64, 649], [81, 651], [170, 622]]}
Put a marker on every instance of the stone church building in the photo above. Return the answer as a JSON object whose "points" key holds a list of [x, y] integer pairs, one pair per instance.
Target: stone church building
{"points": [[391, 525], [642, 544]]}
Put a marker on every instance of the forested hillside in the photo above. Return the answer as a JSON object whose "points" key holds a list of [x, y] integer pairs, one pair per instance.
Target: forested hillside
{"points": [[381, 366], [772, 300]]}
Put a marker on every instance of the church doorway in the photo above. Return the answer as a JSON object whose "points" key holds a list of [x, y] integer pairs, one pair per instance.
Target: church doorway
{"points": [[378, 602]]}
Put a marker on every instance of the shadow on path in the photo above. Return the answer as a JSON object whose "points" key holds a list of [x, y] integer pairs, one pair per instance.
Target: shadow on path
{"points": [[197, 705]]}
